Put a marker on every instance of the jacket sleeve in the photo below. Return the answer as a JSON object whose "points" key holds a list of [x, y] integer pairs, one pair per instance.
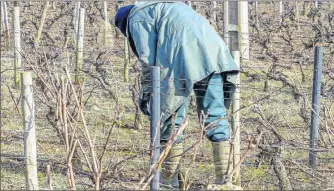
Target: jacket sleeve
{"points": [[145, 40]]}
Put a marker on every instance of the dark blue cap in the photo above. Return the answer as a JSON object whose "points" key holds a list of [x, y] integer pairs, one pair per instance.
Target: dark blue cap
{"points": [[121, 18]]}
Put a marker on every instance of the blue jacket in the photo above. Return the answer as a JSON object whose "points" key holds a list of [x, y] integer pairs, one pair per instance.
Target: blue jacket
{"points": [[184, 44]]}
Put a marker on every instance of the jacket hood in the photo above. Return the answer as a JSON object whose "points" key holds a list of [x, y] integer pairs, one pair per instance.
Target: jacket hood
{"points": [[121, 18]]}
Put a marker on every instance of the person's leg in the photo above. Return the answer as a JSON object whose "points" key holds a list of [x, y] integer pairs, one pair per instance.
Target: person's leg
{"points": [[210, 99], [170, 166], [180, 115]]}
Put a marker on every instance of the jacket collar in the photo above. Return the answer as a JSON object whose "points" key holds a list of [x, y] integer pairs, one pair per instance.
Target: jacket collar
{"points": [[141, 5]]}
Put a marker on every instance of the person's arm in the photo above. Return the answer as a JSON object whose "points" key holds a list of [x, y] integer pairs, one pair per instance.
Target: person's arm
{"points": [[145, 40]]}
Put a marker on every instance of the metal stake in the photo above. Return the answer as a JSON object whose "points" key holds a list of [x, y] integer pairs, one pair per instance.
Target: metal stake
{"points": [[315, 105], [155, 124]]}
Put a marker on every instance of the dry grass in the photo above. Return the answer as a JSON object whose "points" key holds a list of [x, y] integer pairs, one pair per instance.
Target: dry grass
{"points": [[127, 153]]}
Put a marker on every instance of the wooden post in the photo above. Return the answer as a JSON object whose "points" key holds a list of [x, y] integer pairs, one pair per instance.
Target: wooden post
{"points": [[236, 122], [117, 32], [76, 21], [280, 7], [306, 7], [297, 15], [41, 23], [48, 174], [25, 8], [17, 45], [256, 13], [280, 11], [126, 60], [64, 114], [226, 23], [236, 33], [214, 13], [189, 3], [2, 11], [80, 35], [243, 29], [105, 9], [232, 26], [28, 108], [4, 18], [107, 27]]}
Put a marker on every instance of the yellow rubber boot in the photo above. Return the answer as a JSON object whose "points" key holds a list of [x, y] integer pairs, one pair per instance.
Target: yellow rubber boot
{"points": [[221, 151], [170, 168]]}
